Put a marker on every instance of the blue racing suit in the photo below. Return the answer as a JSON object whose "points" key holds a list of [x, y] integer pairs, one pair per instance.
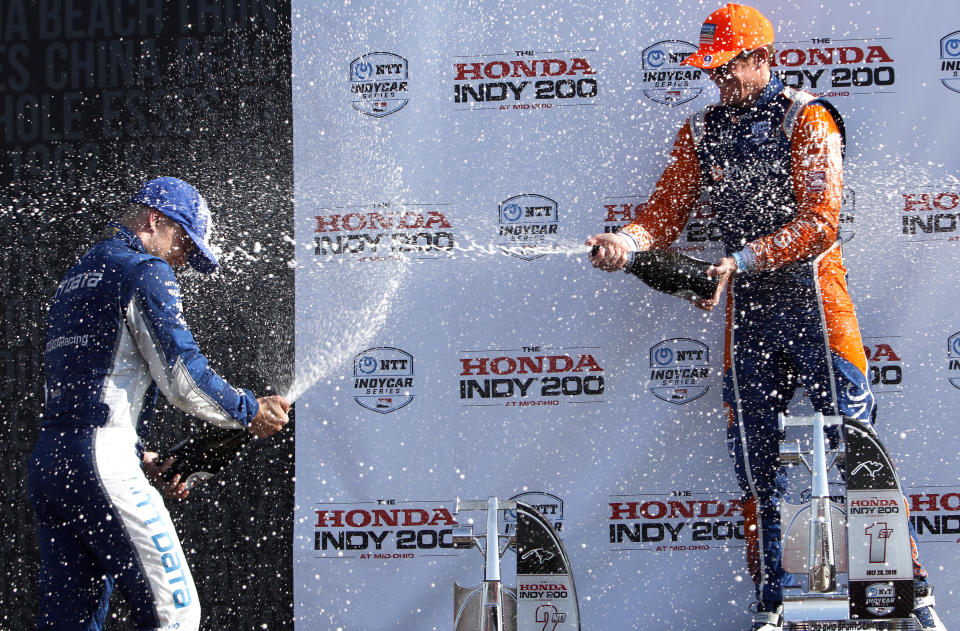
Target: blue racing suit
{"points": [[115, 330]]}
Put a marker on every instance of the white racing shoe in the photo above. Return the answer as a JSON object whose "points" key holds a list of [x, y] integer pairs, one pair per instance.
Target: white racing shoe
{"points": [[923, 609], [767, 620]]}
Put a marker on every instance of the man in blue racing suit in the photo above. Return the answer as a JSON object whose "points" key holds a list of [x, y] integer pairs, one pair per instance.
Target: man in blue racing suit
{"points": [[115, 330]]}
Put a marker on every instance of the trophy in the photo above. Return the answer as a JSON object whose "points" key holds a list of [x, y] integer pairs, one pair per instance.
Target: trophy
{"points": [[850, 555], [545, 596]]}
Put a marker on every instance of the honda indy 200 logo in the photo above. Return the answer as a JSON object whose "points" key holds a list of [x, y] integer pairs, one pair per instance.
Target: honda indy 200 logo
{"points": [[529, 377], [387, 529], [523, 80], [683, 520], [931, 215], [383, 231], [841, 68]]}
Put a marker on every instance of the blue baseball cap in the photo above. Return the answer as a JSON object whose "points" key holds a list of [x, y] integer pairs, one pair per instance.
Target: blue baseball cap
{"points": [[181, 202]]}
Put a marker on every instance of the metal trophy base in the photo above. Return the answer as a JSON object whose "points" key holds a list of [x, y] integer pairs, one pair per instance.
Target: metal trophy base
{"points": [[474, 607], [803, 611], [850, 625], [851, 554], [545, 598]]}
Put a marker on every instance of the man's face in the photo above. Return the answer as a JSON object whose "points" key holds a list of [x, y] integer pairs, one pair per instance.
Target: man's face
{"points": [[171, 242], [741, 80]]}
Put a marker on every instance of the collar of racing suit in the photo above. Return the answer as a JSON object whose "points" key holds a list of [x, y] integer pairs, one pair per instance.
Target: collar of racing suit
{"points": [[119, 231], [772, 89]]}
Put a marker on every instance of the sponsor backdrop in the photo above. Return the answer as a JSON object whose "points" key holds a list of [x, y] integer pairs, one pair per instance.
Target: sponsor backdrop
{"points": [[453, 341]]}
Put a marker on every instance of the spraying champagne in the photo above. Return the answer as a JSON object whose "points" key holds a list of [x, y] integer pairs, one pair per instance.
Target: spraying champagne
{"points": [[672, 273], [207, 451], [204, 453]]}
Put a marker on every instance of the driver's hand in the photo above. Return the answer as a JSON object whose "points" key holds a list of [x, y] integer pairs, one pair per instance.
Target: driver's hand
{"points": [[272, 416], [172, 489], [611, 253], [724, 268]]}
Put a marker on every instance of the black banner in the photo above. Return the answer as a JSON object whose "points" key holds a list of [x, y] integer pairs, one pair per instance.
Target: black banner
{"points": [[95, 98]]}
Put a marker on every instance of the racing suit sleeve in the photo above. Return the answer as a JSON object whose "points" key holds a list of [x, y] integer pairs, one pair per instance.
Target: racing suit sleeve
{"points": [[817, 178], [154, 317], [666, 212]]}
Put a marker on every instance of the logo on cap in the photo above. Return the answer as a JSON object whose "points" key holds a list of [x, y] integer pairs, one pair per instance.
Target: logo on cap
{"points": [[707, 33], [728, 31]]}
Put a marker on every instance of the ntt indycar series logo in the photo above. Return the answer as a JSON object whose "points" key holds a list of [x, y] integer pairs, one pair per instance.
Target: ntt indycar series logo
{"points": [[679, 370], [881, 599], [950, 61], [383, 379], [953, 359], [379, 84], [831, 68], [386, 529], [530, 377], [527, 225], [665, 80], [384, 231], [547, 504], [523, 80]]}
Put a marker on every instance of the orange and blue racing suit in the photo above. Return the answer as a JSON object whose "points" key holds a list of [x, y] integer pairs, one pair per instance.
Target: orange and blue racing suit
{"points": [[773, 175]]}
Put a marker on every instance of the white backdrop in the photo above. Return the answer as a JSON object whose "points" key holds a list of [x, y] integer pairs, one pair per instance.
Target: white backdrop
{"points": [[451, 341]]}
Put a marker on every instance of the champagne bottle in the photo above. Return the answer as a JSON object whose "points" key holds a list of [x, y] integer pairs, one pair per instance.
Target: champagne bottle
{"points": [[204, 454], [673, 273]]}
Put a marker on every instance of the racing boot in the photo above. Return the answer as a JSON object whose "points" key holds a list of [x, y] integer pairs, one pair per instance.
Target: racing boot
{"points": [[923, 609], [767, 620]]}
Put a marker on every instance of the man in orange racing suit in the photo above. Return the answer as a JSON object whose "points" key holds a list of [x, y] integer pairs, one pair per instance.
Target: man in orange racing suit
{"points": [[770, 160]]}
